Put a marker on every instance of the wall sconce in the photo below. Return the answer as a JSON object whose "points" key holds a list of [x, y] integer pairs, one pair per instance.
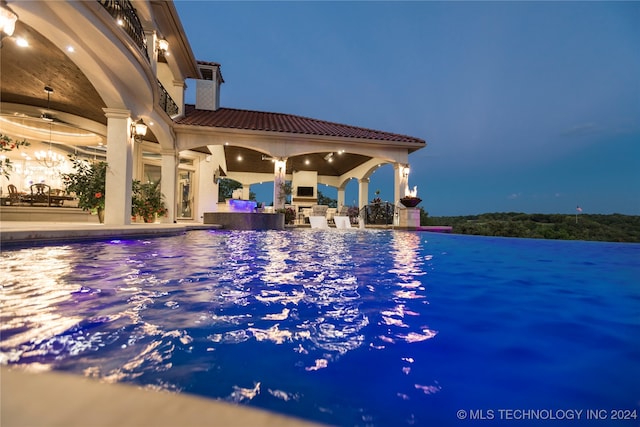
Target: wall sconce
{"points": [[280, 165], [138, 130], [163, 45], [406, 171], [8, 19]]}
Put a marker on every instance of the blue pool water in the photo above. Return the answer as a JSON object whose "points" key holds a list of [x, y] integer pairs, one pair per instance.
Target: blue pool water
{"points": [[353, 328]]}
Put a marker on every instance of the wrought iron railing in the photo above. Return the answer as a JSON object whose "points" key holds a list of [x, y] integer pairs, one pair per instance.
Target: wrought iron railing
{"points": [[166, 102], [382, 213], [126, 16]]}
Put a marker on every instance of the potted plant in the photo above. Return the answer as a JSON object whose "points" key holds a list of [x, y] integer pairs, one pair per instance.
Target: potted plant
{"points": [[88, 184], [147, 200], [8, 144], [289, 215]]}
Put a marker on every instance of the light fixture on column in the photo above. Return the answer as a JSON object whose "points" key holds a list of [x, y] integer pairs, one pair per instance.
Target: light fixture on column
{"points": [[138, 130], [280, 165], [8, 19], [163, 46], [405, 171]]}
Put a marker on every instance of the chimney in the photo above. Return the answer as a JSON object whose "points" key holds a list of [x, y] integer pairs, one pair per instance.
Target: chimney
{"points": [[208, 88]]}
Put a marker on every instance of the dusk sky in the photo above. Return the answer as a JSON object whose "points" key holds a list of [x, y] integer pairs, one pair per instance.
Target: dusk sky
{"points": [[525, 106]]}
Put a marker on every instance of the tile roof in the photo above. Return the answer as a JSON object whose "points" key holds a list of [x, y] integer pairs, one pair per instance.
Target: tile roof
{"points": [[277, 122]]}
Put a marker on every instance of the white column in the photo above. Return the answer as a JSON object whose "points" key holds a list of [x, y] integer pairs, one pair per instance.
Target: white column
{"points": [[279, 175], [340, 198], [207, 198], [152, 52], [246, 189], [363, 192], [168, 173], [119, 167], [178, 95]]}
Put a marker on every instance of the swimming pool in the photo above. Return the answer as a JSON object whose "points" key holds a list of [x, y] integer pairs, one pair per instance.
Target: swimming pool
{"points": [[353, 327]]}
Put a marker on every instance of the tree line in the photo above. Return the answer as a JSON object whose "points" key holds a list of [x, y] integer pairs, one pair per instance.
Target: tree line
{"points": [[609, 228]]}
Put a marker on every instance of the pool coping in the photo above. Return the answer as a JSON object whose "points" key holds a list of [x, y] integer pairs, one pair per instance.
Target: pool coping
{"points": [[21, 232], [61, 399]]}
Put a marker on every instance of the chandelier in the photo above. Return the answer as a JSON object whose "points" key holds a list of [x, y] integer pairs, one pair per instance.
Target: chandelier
{"points": [[48, 158]]}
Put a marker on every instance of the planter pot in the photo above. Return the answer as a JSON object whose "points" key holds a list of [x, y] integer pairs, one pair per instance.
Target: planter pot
{"points": [[100, 212], [410, 202]]}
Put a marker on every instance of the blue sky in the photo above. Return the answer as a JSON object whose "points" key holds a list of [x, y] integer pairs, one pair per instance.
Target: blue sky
{"points": [[525, 106]]}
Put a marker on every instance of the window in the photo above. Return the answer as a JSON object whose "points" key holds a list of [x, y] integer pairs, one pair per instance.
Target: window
{"points": [[185, 194]]}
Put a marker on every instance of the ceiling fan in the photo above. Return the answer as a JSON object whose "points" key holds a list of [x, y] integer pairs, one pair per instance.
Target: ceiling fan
{"points": [[46, 115]]}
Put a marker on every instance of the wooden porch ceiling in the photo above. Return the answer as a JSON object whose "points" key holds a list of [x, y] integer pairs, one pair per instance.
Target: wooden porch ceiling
{"points": [[25, 71], [245, 160]]}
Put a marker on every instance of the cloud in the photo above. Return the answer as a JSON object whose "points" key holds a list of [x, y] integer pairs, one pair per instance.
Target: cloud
{"points": [[514, 196]]}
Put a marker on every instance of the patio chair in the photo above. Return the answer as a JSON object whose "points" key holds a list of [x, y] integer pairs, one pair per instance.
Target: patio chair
{"points": [[40, 193], [331, 212], [318, 216], [15, 198], [318, 222], [342, 221], [319, 210]]}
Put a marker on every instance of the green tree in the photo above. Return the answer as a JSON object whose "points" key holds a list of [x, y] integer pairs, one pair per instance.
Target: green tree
{"points": [[87, 182], [324, 200], [226, 188]]}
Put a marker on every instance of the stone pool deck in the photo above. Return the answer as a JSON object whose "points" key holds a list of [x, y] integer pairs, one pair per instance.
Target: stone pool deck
{"points": [[57, 399]]}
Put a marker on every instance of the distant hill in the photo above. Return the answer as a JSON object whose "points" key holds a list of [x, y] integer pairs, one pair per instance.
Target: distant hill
{"points": [[609, 228]]}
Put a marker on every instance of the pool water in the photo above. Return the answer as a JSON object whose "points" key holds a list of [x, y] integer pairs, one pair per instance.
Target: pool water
{"points": [[345, 327]]}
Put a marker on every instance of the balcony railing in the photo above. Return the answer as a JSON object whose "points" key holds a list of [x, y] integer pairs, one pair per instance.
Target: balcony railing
{"points": [[126, 16], [166, 102]]}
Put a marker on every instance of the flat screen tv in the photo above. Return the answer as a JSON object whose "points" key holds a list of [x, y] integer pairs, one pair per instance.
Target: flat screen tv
{"points": [[305, 192]]}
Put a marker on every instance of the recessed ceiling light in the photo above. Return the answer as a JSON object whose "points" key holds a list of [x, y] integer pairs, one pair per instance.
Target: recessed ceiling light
{"points": [[306, 161], [70, 49], [239, 158], [22, 42]]}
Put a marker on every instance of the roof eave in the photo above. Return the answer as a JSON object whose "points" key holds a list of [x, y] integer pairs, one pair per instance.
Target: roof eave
{"points": [[295, 137]]}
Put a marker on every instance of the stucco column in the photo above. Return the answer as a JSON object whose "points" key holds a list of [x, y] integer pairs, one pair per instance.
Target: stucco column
{"points": [[400, 181], [152, 52], [279, 178], [178, 95], [120, 166], [363, 192], [168, 173], [340, 198], [207, 196]]}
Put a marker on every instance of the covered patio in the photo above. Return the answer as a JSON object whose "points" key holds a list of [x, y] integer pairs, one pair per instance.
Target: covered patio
{"points": [[82, 95]]}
